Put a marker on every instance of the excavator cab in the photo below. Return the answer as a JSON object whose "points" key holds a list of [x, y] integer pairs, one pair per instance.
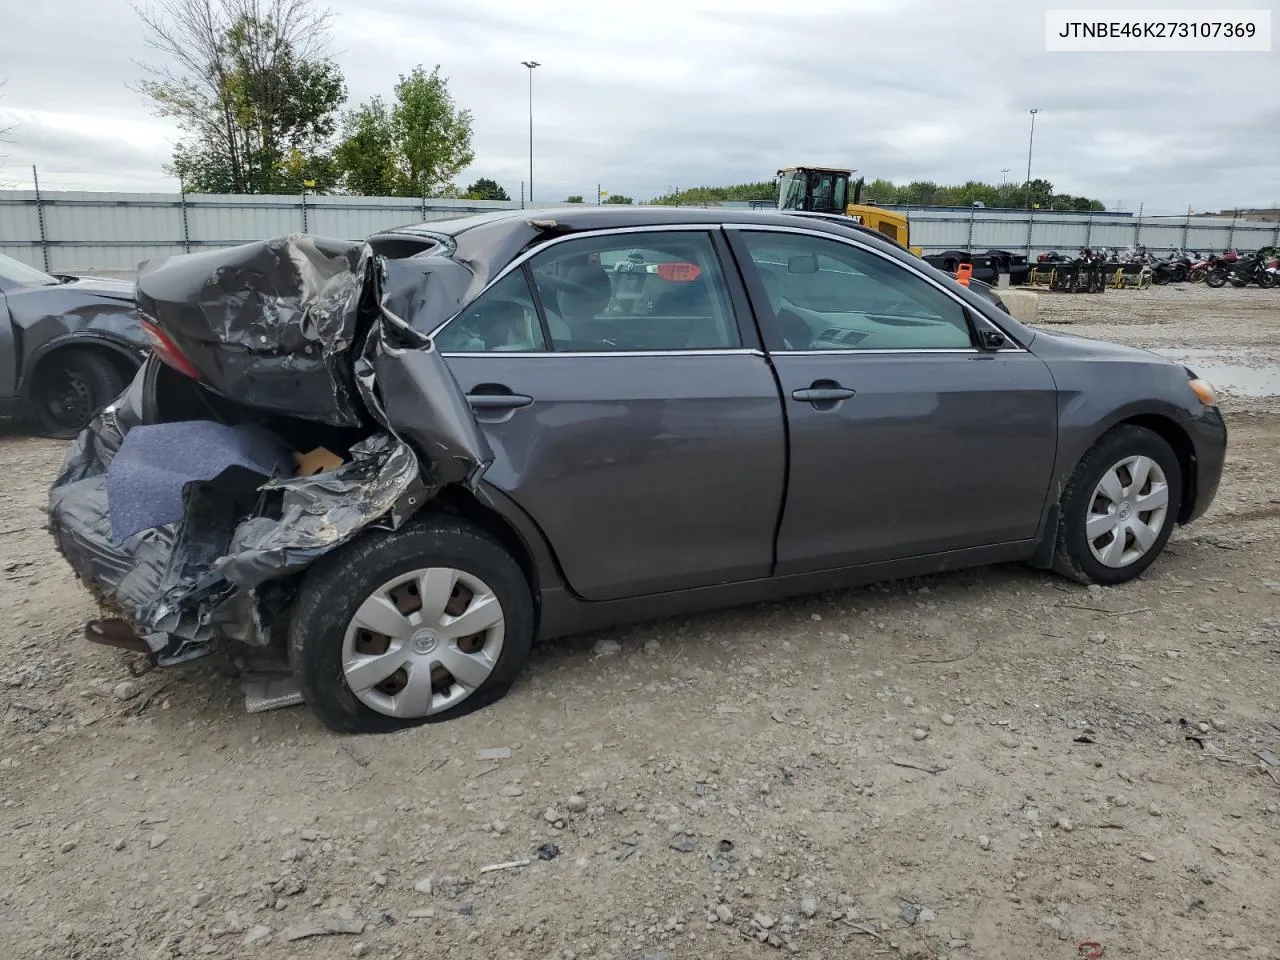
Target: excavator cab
{"points": [[813, 189], [827, 190]]}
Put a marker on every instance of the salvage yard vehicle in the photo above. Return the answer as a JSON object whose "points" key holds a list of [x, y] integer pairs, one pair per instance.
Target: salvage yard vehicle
{"points": [[68, 346], [482, 432], [827, 190]]}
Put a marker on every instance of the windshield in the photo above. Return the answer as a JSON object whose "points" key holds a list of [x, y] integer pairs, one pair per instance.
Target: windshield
{"points": [[791, 191], [17, 272]]}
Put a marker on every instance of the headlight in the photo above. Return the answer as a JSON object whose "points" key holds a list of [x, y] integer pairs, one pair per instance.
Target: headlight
{"points": [[1204, 390]]}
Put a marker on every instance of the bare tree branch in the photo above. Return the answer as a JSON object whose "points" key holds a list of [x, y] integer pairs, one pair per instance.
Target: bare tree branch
{"points": [[237, 77]]}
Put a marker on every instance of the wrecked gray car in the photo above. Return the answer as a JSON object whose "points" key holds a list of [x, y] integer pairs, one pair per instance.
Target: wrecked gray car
{"points": [[400, 462], [68, 346]]}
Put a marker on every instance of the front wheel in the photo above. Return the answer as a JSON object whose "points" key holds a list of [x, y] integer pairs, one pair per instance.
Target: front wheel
{"points": [[417, 626], [1119, 507], [1216, 278]]}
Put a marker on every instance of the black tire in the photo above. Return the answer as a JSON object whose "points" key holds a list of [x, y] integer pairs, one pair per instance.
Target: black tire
{"points": [[1216, 278], [337, 584], [1266, 280], [71, 386], [1072, 556], [1180, 273]]}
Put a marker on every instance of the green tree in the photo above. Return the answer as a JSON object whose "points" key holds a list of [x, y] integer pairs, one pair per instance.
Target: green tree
{"points": [[574, 198], [485, 189], [413, 148], [618, 198], [763, 190], [251, 86], [880, 190], [433, 136], [366, 154]]}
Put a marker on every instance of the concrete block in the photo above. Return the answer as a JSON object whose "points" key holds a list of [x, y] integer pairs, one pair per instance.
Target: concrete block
{"points": [[1023, 304]]}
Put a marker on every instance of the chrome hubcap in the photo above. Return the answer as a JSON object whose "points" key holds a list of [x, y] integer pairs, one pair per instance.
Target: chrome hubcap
{"points": [[1129, 508], [423, 642]]}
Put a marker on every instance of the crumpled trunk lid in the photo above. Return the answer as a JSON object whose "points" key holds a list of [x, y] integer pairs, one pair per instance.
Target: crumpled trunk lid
{"points": [[295, 327]]}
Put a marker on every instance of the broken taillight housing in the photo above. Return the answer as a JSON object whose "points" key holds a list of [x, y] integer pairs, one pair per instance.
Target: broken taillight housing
{"points": [[679, 272], [164, 348]]}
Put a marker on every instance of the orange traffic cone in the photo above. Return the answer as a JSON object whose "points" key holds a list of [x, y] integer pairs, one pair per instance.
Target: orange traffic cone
{"points": [[964, 273]]}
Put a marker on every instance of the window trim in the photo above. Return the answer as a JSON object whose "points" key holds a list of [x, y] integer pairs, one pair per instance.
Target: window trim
{"points": [[977, 320], [747, 335]]}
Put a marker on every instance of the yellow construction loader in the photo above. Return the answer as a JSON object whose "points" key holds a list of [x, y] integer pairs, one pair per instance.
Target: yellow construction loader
{"points": [[826, 190]]}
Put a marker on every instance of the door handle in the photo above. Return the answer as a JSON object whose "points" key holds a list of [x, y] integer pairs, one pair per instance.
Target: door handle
{"points": [[822, 394], [498, 401]]}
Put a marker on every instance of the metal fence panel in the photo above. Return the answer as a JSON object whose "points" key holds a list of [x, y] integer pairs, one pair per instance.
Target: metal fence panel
{"points": [[79, 231]]}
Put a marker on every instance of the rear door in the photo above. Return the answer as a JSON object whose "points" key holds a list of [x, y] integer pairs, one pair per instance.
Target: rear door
{"points": [[905, 439], [631, 412]]}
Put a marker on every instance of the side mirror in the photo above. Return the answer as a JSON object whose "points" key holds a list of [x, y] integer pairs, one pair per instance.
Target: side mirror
{"points": [[803, 263], [992, 339]]}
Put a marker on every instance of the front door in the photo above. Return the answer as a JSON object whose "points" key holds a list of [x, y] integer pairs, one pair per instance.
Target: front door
{"points": [[906, 440], [627, 413]]}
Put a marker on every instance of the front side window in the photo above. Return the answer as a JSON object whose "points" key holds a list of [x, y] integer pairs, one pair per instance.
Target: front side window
{"points": [[502, 319], [828, 295], [635, 291]]}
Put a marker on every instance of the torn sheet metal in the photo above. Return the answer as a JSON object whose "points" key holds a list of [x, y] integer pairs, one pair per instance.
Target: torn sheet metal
{"points": [[324, 511], [404, 381], [268, 324], [295, 326]]}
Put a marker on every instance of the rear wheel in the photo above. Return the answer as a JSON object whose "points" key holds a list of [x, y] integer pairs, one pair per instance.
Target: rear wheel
{"points": [[71, 386], [1119, 507], [417, 626], [1216, 278]]}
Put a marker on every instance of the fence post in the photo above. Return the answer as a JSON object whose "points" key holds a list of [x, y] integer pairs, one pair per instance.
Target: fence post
{"points": [[1275, 235], [186, 226], [1137, 228], [44, 239], [1231, 232], [968, 245], [304, 209], [1088, 231], [1031, 219], [1186, 231], [424, 208]]}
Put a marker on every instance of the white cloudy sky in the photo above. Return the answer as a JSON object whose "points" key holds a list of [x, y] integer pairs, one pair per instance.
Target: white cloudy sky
{"points": [[643, 96]]}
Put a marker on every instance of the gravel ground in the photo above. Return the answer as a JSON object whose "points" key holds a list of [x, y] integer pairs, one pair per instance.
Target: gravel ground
{"points": [[991, 763]]}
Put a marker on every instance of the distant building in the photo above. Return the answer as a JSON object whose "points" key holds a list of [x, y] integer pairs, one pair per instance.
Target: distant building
{"points": [[1264, 214]]}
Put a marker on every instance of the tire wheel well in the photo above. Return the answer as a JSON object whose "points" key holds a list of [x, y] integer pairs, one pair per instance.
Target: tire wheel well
{"points": [[460, 502], [1169, 431], [125, 365]]}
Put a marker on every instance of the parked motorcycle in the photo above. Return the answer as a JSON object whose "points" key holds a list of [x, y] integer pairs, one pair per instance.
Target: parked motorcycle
{"points": [[1241, 273]]}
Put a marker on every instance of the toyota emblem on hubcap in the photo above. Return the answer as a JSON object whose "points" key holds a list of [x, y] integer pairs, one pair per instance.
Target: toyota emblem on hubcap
{"points": [[424, 641]]}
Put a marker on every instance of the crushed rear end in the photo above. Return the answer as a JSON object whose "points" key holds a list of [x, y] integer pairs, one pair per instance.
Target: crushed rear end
{"points": [[291, 403]]}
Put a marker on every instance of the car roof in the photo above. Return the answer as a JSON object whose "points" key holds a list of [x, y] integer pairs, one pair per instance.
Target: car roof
{"points": [[500, 228], [576, 217]]}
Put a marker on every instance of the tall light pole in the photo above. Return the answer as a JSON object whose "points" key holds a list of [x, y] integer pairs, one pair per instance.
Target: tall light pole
{"points": [[531, 64], [1030, 141], [1004, 176]]}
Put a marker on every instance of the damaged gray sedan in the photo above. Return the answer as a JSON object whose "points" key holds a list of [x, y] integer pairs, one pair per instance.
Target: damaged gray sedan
{"points": [[400, 463]]}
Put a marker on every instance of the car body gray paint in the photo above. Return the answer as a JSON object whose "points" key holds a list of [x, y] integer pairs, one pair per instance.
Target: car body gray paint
{"points": [[36, 320], [1141, 384], [1087, 401]]}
